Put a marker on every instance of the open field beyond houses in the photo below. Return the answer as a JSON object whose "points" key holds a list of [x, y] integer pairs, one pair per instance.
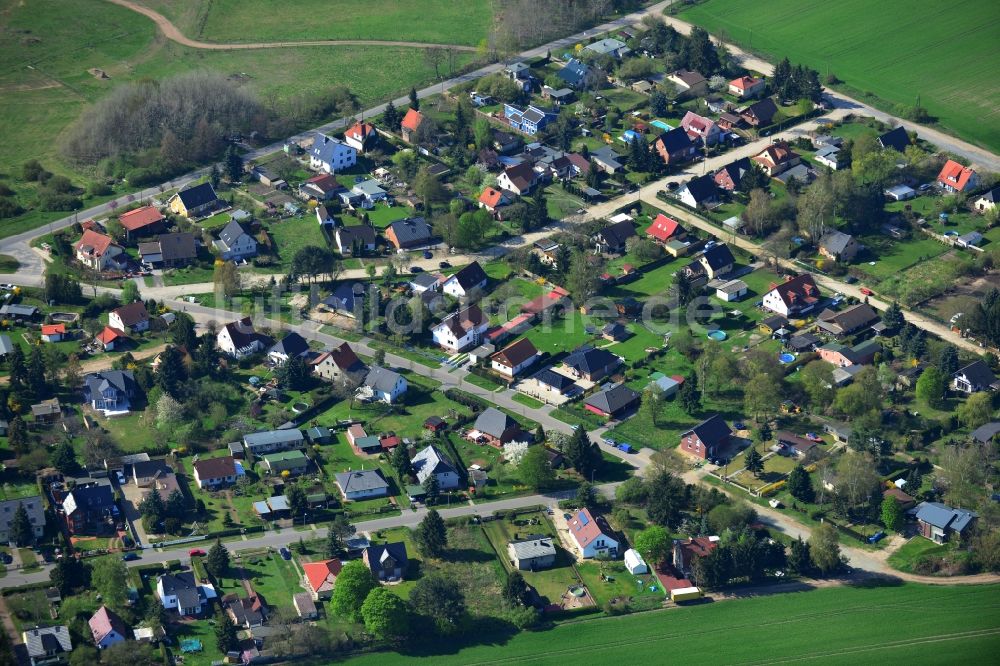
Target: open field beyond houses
{"points": [[915, 624], [943, 53]]}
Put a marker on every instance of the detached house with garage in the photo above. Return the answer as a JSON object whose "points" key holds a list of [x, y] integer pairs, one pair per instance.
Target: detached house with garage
{"points": [[239, 339], [182, 593], [974, 378], [514, 358], [169, 250], [793, 297], [99, 252], [234, 243], [132, 317], [466, 282], [461, 330], [612, 402], [591, 364], [497, 427], [520, 179], [593, 535], [331, 155], [194, 202], [706, 439], [431, 461], [109, 391], [957, 178]]}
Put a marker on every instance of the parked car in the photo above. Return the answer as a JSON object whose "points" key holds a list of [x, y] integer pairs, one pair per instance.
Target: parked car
{"points": [[444, 264], [285, 553], [626, 448], [121, 478], [197, 552], [129, 557], [416, 269], [850, 279], [427, 254], [866, 291]]}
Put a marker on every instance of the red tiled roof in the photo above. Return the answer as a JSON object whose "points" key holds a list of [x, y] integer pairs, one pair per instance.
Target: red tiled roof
{"points": [[412, 120], [98, 242], [744, 82], [49, 329], [325, 182], [775, 154], [390, 442], [491, 197], [360, 131], [110, 334], [140, 217], [955, 175], [584, 528], [663, 228], [697, 547], [321, 575]]}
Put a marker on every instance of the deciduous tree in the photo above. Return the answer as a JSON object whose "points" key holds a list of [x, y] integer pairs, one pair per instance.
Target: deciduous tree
{"points": [[385, 614], [354, 584]]}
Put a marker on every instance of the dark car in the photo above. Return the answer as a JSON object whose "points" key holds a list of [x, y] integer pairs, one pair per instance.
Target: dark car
{"points": [[416, 269], [129, 557], [444, 264], [427, 254], [850, 279], [285, 553]]}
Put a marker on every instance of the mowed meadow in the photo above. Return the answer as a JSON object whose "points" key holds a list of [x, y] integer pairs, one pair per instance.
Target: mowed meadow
{"points": [[946, 54], [48, 48], [435, 21], [838, 625]]}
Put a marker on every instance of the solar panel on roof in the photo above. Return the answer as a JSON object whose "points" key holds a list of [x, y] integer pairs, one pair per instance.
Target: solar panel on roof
{"points": [[583, 518]]}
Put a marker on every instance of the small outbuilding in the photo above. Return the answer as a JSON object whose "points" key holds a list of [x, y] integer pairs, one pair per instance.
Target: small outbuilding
{"points": [[634, 562]]}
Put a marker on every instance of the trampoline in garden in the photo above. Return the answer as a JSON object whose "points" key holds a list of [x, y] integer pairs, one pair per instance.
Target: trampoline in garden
{"points": [[191, 645], [717, 335], [578, 591], [786, 357]]}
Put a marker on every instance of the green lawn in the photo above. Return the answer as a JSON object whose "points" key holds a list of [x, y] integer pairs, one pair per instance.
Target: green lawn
{"points": [[292, 234], [914, 550], [188, 275], [562, 334], [892, 68], [930, 624], [619, 585], [271, 575], [527, 401]]}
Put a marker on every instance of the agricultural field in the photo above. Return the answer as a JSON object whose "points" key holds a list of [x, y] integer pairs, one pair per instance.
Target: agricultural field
{"points": [[930, 625], [889, 69]]}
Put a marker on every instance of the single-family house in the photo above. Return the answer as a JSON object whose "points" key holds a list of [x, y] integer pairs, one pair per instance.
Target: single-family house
{"points": [[338, 365], [609, 46], [132, 317], [987, 201], [361, 136], [665, 229], [181, 592], [688, 83], [938, 522], [347, 299], [99, 252], [795, 296], [408, 126], [675, 146], [498, 427], [520, 179], [492, 199], [717, 260], [613, 402], [777, 158], [324, 216], [47, 645], [607, 160], [702, 130], [461, 330], [613, 238], [469, 281], [532, 554], [591, 364], [234, 243], [957, 178], [108, 628], [685, 552], [47, 411], [431, 461], [792, 444], [530, 120], [706, 439], [110, 391], [291, 346], [425, 282], [294, 462], [514, 358], [760, 113], [906, 501], [830, 157], [269, 441], [322, 187], [838, 246], [593, 535], [520, 73], [896, 138], [36, 515], [169, 250], [362, 484], [849, 321], [507, 143], [388, 562], [247, 612], [239, 339], [580, 76], [53, 332], [321, 577], [194, 202], [730, 176], [974, 378], [699, 192], [410, 233], [356, 240], [142, 221], [215, 473], [746, 87], [385, 385]]}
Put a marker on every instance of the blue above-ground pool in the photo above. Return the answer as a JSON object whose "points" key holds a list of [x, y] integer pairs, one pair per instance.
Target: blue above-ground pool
{"points": [[717, 335], [786, 358]]}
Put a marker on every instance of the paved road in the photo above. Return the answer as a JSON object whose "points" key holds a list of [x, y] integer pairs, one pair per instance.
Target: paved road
{"points": [[171, 32]]}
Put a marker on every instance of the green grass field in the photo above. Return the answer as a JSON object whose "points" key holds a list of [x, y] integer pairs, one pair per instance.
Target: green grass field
{"points": [[852, 39], [931, 625], [226, 20]]}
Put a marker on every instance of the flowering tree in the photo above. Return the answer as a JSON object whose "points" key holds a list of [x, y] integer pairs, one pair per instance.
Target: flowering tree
{"points": [[513, 452]]}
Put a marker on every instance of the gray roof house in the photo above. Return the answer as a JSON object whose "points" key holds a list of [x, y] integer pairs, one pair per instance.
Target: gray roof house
{"points": [[432, 461], [47, 645], [839, 246], [362, 484], [497, 426], [36, 515], [6, 345], [273, 440], [938, 521], [612, 47], [532, 554], [109, 391], [385, 384], [234, 243]]}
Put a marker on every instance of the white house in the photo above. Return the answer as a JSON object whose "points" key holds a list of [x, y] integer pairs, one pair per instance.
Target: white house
{"points": [[432, 461], [514, 358], [331, 155], [213, 473], [792, 297], [108, 628], [593, 535], [132, 317], [239, 339], [462, 329], [385, 385], [465, 281], [182, 593], [97, 251], [362, 484], [234, 243]]}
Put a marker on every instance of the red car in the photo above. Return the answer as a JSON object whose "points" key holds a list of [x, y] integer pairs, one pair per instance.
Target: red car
{"points": [[196, 552], [866, 291]]}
